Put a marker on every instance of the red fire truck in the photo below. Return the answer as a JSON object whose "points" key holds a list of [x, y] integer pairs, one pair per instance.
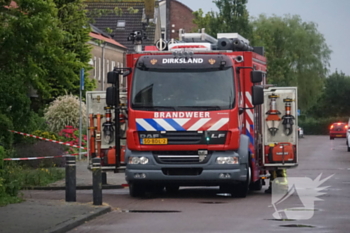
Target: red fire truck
{"points": [[198, 113]]}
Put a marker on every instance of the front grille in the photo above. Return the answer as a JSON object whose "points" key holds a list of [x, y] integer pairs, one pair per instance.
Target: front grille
{"points": [[180, 157], [187, 137], [176, 138]]}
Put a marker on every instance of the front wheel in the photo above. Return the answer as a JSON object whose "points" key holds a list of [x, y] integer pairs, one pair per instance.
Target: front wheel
{"points": [[349, 148], [256, 186], [172, 188], [241, 190], [136, 190]]}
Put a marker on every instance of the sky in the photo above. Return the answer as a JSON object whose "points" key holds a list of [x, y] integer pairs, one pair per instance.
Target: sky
{"points": [[331, 16]]}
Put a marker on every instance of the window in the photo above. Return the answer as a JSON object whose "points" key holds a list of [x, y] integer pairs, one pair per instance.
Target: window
{"points": [[121, 24], [95, 67], [103, 69], [99, 68], [113, 65]]}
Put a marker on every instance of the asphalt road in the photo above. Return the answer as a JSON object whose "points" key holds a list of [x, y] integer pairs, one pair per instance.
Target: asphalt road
{"points": [[200, 210]]}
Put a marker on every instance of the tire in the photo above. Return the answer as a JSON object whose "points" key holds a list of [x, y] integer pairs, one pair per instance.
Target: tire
{"points": [[241, 190], [136, 190], [256, 186], [331, 138], [348, 148], [172, 188]]}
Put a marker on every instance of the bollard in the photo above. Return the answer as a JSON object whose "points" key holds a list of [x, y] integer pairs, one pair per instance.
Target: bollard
{"points": [[104, 178], [97, 181], [70, 179]]}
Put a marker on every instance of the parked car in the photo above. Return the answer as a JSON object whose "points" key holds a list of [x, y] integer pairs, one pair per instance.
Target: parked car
{"points": [[338, 130], [300, 132]]}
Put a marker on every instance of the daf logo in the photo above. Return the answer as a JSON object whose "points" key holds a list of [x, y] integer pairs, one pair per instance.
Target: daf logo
{"points": [[149, 135], [219, 135]]}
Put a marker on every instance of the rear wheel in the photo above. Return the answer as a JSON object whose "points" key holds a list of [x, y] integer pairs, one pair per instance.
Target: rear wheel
{"points": [[331, 138], [136, 190], [348, 148]]}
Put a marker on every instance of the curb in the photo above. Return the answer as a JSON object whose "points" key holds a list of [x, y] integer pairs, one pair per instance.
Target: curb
{"points": [[82, 187], [69, 225]]}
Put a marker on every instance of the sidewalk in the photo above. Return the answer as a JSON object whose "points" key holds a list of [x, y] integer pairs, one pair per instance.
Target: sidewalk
{"points": [[84, 178], [45, 215]]}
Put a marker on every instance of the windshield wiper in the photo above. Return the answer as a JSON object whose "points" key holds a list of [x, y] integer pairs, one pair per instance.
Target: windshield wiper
{"points": [[156, 108], [202, 107]]}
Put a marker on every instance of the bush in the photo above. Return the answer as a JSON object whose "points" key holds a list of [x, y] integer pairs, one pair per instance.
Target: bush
{"points": [[71, 136], [11, 180], [319, 126], [65, 110], [42, 176], [6, 137]]}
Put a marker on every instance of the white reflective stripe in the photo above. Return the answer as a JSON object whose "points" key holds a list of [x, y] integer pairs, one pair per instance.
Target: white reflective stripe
{"points": [[219, 124], [181, 121], [247, 125], [165, 125], [145, 125], [249, 97], [250, 114], [199, 124]]}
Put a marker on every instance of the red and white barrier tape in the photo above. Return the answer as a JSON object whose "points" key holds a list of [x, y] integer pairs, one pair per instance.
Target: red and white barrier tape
{"points": [[46, 139], [45, 157]]}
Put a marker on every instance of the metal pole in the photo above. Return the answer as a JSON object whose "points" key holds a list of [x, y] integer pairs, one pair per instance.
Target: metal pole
{"points": [[117, 125], [80, 119], [70, 179], [97, 181]]}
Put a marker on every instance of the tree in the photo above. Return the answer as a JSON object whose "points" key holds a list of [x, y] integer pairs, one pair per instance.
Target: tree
{"points": [[231, 17], [297, 54], [75, 28], [42, 46], [335, 100], [29, 36]]}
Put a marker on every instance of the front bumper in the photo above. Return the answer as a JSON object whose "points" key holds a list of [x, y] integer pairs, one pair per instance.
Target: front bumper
{"points": [[208, 174]]}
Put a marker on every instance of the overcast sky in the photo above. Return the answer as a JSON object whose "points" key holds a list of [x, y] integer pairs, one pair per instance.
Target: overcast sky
{"points": [[331, 16]]}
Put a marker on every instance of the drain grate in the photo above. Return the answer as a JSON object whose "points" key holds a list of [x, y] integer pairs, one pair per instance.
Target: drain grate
{"points": [[212, 202], [298, 225], [281, 220], [151, 211]]}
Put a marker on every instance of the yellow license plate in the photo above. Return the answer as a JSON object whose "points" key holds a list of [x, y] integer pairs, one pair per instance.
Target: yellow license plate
{"points": [[339, 135], [154, 141]]}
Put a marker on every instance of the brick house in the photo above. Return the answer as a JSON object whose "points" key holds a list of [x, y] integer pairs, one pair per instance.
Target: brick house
{"points": [[106, 54], [174, 16]]}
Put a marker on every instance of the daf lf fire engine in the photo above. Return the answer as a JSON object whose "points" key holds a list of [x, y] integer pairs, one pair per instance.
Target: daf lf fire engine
{"points": [[196, 112]]}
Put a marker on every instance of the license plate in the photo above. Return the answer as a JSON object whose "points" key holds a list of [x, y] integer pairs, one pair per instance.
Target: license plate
{"points": [[154, 141], [339, 135]]}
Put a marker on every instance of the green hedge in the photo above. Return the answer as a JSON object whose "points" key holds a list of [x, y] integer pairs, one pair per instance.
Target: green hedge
{"points": [[320, 126]]}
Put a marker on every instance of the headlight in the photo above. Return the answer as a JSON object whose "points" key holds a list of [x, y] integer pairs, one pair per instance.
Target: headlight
{"points": [[143, 160], [138, 160], [227, 160]]}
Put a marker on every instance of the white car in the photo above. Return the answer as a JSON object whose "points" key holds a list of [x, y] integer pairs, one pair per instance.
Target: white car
{"points": [[300, 132]]}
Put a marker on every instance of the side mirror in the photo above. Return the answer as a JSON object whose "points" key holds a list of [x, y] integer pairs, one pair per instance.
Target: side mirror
{"points": [[256, 76], [110, 96], [126, 73], [112, 77], [257, 95]]}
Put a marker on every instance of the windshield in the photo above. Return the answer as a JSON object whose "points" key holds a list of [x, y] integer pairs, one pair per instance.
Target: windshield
{"points": [[183, 90]]}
